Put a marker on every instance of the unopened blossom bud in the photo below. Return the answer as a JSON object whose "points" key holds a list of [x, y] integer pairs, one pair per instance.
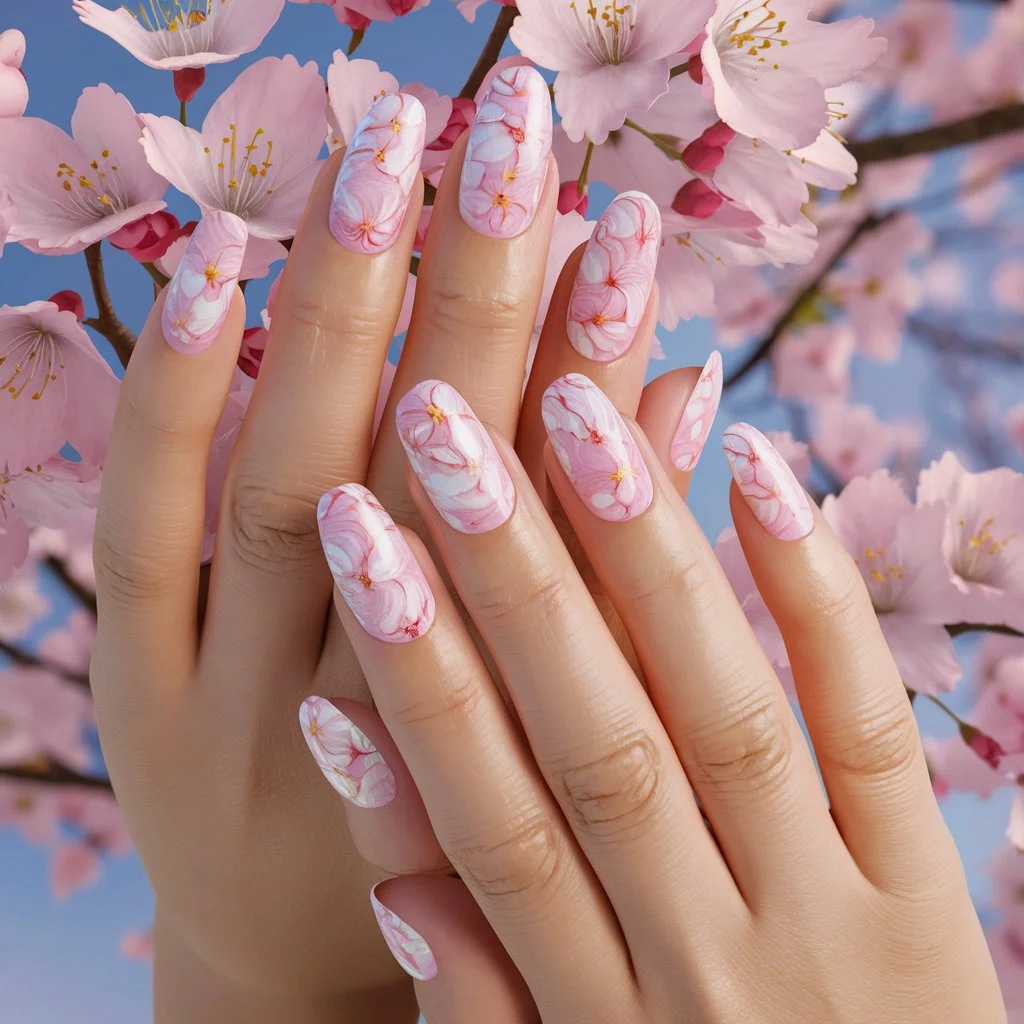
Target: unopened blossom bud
{"points": [[695, 199], [702, 158], [571, 198], [149, 237], [250, 356], [187, 82], [69, 301], [719, 134], [695, 68], [990, 751]]}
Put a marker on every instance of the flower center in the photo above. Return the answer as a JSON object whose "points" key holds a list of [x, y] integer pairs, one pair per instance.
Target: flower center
{"points": [[621, 473], [435, 414], [364, 578], [751, 31], [211, 273], [606, 28], [244, 174], [882, 577], [28, 366], [183, 26], [980, 550], [95, 190]]}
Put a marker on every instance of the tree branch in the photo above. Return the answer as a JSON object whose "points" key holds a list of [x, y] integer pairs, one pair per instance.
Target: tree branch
{"points": [[54, 774], [764, 347], [28, 660], [972, 627], [986, 125], [490, 53], [83, 594], [107, 322]]}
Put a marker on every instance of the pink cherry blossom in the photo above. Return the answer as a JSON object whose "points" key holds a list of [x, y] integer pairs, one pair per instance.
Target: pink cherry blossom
{"points": [[984, 538], [70, 192], [610, 59], [148, 238], [13, 86], [1015, 426], [55, 387], [137, 946], [353, 85], [813, 365], [31, 809], [944, 282], [70, 646], [345, 16], [257, 154], [921, 37], [955, 768], [96, 816], [898, 549], [188, 33], [385, 10], [73, 866], [468, 8], [1008, 285], [851, 441], [22, 602], [770, 66]]}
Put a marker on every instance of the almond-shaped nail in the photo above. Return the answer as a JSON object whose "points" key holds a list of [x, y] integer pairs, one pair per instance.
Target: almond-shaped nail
{"points": [[767, 483], [407, 946], [596, 450], [454, 458], [373, 566], [698, 416], [506, 158], [344, 753], [199, 295], [372, 190], [614, 281]]}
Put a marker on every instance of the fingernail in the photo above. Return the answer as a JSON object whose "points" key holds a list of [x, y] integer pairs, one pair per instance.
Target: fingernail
{"points": [[767, 483], [506, 158], [373, 567], [698, 416], [614, 281], [595, 449], [407, 946], [199, 295], [349, 761], [454, 458], [371, 193]]}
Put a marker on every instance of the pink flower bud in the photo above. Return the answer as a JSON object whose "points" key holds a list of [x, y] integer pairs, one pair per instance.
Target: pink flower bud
{"points": [[353, 19], [148, 238], [569, 198], [695, 199], [69, 301], [983, 745], [702, 158], [695, 68], [254, 342], [401, 7], [461, 117], [187, 82], [719, 134]]}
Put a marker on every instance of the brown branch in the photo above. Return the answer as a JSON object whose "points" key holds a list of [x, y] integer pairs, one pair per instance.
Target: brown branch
{"points": [[490, 53], [83, 594], [805, 295], [986, 125], [52, 773], [972, 627], [107, 322], [28, 660]]}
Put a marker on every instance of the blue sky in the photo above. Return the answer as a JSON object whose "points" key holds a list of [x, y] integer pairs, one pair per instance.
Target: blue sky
{"points": [[61, 961]]}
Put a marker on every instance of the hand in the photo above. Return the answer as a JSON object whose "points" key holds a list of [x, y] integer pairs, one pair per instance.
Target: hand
{"points": [[578, 838]]}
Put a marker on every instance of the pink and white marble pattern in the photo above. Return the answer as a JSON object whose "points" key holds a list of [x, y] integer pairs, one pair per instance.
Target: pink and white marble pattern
{"points": [[343, 752], [455, 458], [596, 449], [614, 281], [373, 566], [407, 946], [371, 193], [698, 416], [199, 295], [767, 483], [506, 158]]}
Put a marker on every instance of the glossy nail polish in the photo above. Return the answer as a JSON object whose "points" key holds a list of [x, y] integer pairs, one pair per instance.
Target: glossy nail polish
{"points": [[698, 416], [767, 483], [506, 157], [373, 567], [454, 458], [342, 751], [199, 295], [614, 280], [407, 946], [372, 190], [595, 449]]}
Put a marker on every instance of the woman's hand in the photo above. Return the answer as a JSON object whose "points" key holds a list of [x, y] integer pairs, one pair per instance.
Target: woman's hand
{"points": [[590, 887]]}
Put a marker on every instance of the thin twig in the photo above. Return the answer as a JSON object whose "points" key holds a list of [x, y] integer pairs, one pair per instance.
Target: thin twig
{"points": [[28, 660], [490, 53], [54, 774], [83, 594], [107, 323], [973, 627]]}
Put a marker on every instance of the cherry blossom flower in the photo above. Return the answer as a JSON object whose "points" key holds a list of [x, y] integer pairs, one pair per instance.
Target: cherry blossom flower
{"points": [[920, 35], [1015, 426], [13, 86], [137, 946], [185, 33], [813, 365], [944, 282], [55, 387], [1008, 285], [770, 65], [898, 549], [385, 10], [257, 154], [611, 57], [31, 809], [7, 214], [73, 866], [851, 441], [70, 646], [22, 603], [70, 192], [352, 88], [345, 16], [984, 538], [954, 767], [96, 816]]}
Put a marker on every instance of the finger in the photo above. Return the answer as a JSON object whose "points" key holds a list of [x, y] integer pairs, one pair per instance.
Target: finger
{"points": [[853, 700], [311, 415], [591, 728], [150, 520], [713, 689], [490, 810], [677, 413], [437, 933]]}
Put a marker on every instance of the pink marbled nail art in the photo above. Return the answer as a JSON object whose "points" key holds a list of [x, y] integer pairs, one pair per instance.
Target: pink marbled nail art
{"points": [[407, 946], [455, 458], [698, 416], [373, 567], [767, 483], [199, 295], [614, 281], [342, 751], [371, 193], [595, 449], [507, 154]]}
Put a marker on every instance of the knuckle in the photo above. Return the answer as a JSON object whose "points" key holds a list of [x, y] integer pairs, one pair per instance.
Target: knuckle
{"points": [[454, 310], [341, 325], [679, 573], [169, 426], [617, 793], [748, 749], [880, 740], [125, 571], [453, 706], [507, 604], [836, 599]]}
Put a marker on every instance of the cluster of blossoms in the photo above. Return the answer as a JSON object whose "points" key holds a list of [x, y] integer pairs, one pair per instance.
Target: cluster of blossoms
{"points": [[731, 115]]}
